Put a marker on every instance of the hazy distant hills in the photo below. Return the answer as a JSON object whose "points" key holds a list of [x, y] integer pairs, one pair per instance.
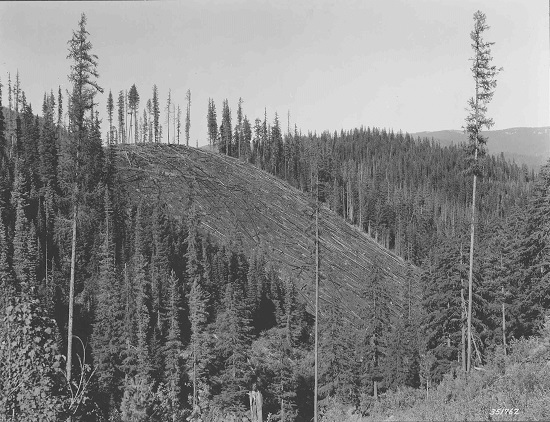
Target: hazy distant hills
{"points": [[525, 145]]}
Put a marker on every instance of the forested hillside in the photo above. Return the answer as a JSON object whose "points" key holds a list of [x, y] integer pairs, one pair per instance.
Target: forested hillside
{"points": [[404, 192], [524, 145], [142, 281]]}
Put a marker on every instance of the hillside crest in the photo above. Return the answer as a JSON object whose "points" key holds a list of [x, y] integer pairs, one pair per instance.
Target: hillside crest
{"points": [[237, 198]]}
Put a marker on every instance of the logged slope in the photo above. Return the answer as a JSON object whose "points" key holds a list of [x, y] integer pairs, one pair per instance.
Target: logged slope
{"points": [[236, 197]]}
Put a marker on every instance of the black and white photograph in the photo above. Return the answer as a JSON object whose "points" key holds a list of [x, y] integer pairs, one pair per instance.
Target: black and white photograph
{"points": [[261, 211]]}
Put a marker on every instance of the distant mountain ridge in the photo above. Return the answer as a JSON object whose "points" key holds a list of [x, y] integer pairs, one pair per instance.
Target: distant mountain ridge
{"points": [[524, 145]]}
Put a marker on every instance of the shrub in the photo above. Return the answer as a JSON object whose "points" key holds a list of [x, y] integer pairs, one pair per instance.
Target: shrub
{"points": [[31, 377]]}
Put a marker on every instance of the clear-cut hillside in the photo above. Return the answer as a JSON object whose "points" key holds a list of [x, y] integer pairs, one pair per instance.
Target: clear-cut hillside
{"points": [[236, 197]]}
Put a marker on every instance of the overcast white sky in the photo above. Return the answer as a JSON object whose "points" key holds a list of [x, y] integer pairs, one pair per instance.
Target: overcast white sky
{"points": [[333, 64]]}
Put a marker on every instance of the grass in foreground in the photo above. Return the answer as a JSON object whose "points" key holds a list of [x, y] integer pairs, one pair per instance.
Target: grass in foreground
{"points": [[509, 388]]}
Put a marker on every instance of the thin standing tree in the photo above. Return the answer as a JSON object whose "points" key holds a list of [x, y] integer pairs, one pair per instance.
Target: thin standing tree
{"points": [[239, 131], [485, 83], [150, 120], [211, 119], [121, 131], [168, 105], [110, 109], [188, 116], [316, 386], [133, 104], [178, 124], [84, 88], [156, 115]]}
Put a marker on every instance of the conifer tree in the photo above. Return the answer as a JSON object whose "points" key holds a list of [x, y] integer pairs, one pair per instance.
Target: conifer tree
{"points": [[239, 128], [139, 401], [133, 104], [21, 232], [212, 122], [27, 147], [110, 111], [530, 282], [121, 118], [225, 130], [174, 348], [156, 114], [187, 116], [149, 120], [3, 146], [485, 83], [106, 327], [233, 341], [84, 88], [158, 272], [17, 92], [32, 260], [276, 144], [178, 130], [198, 312], [143, 298], [285, 380], [264, 143], [339, 369], [59, 111], [48, 145], [256, 143], [246, 138], [10, 107], [168, 111], [377, 316], [443, 280], [198, 316], [145, 127], [4, 156], [7, 286]]}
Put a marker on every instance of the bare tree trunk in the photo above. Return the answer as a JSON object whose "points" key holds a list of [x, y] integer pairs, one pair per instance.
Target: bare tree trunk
{"points": [[503, 323], [71, 298], [463, 340], [130, 126], [463, 317], [46, 237], [256, 406], [470, 276], [194, 375], [315, 418], [359, 188], [409, 280], [472, 228], [136, 134], [125, 114]]}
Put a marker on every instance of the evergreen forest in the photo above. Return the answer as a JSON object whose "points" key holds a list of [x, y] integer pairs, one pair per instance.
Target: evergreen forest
{"points": [[113, 308]]}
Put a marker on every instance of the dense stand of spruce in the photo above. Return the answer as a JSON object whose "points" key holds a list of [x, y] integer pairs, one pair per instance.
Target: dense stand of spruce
{"points": [[173, 322]]}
